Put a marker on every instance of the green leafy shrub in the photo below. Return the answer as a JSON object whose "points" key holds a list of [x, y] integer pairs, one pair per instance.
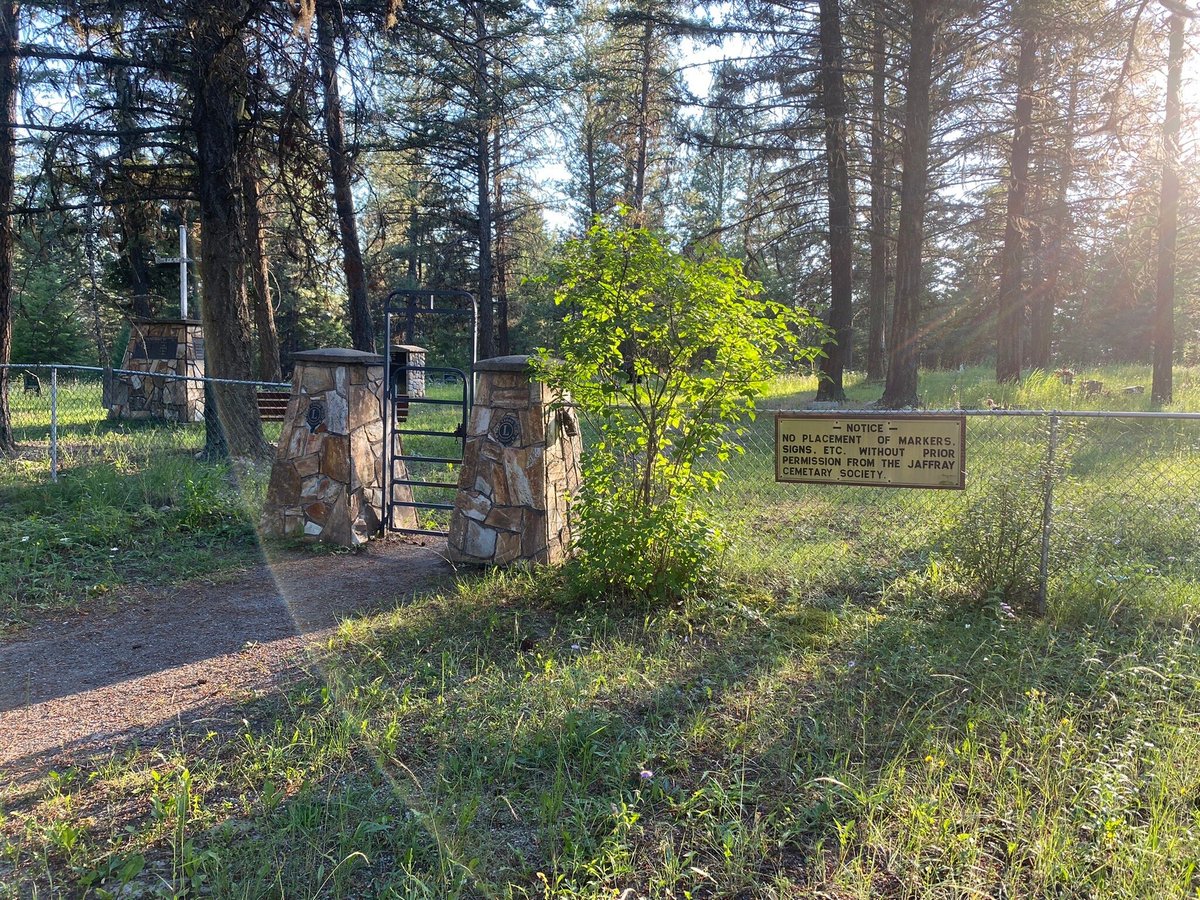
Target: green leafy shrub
{"points": [[665, 355], [996, 545]]}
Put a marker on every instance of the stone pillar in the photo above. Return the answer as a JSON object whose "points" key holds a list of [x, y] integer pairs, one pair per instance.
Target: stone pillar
{"points": [[406, 382], [161, 347], [414, 380], [520, 469], [327, 480]]}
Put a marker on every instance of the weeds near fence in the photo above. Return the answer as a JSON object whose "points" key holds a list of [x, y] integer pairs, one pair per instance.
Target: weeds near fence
{"points": [[112, 524], [1123, 504]]}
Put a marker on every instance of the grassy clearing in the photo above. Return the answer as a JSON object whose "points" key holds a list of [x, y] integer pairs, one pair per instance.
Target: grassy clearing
{"points": [[111, 524], [492, 742], [972, 389], [134, 507], [857, 714], [1125, 527]]}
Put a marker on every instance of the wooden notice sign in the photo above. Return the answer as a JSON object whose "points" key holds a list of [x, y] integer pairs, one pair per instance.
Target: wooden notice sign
{"points": [[896, 450]]}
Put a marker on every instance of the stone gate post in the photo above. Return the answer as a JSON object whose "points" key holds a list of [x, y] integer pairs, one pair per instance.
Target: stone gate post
{"points": [[520, 469], [327, 479]]}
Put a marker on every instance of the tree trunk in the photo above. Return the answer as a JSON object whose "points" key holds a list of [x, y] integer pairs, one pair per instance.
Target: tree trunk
{"points": [[900, 389], [1161, 389], [135, 237], [133, 218], [589, 156], [260, 285], [841, 245], [881, 205], [643, 119], [103, 354], [414, 268], [361, 333], [483, 156], [1010, 316], [219, 96], [215, 446], [9, 86], [1044, 298], [1037, 266]]}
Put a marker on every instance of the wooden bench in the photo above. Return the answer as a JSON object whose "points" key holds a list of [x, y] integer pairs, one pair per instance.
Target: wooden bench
{"points": [[272, 405]]}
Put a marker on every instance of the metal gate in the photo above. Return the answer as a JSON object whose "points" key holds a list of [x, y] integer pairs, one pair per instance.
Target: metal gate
{"points": [[425, 435]]}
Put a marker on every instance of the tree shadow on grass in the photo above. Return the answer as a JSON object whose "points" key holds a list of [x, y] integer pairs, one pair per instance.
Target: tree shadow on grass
{"points": [[763, 742], [518, 734], [964, 747], [467, 743]]}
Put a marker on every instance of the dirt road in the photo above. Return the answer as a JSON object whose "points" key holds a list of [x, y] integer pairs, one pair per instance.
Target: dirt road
{"points": [[100, 679]]}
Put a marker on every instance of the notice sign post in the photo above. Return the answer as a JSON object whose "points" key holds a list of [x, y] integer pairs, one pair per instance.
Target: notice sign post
{"points": [[898, 450]]}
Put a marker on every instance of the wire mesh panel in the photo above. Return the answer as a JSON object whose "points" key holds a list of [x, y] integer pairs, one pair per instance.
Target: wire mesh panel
{"points": [[1122, 495], [1126, 519], [61, 420]]}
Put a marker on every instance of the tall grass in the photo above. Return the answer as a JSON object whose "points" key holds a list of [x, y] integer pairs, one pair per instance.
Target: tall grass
{"points": [[976, 388], [1125, 500], [132, 505], [860, 711]]}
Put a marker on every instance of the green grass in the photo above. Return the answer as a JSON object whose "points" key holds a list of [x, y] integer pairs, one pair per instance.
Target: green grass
{"points": [[1126, 522], [856, 712], [131, 506], [109, 525], [972, 388], [903, 748]]}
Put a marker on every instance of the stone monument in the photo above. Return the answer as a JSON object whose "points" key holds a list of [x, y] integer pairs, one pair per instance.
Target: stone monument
{"points": [[520, 470], [327, 479], [161, 347], [407, 382]]}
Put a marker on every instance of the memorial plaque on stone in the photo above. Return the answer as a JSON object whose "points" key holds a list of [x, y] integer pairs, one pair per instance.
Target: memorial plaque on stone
{"points": [[157, 348], [198, 347]]}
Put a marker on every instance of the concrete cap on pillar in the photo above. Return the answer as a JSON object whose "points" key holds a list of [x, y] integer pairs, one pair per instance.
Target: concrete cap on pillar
{"points": [[339, 355], [504, 364]]}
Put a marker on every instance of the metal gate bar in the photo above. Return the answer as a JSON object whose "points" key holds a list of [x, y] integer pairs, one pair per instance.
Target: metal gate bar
{"points": [[396, 452], [404, 307]]}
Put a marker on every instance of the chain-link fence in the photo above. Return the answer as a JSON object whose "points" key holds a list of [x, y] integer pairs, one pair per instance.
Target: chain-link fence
{"points": [[1090, 507], [61, 417]]}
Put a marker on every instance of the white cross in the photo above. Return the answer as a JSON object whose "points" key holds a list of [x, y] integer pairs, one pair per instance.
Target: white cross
{"points": [[183, 261]]}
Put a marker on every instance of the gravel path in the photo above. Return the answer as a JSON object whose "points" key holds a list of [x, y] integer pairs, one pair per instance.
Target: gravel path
{"points": [[98, 680]]}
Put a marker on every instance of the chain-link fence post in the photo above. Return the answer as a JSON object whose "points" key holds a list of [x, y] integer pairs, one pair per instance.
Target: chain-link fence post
{"points": [[1047, 515], [54, 423]]}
